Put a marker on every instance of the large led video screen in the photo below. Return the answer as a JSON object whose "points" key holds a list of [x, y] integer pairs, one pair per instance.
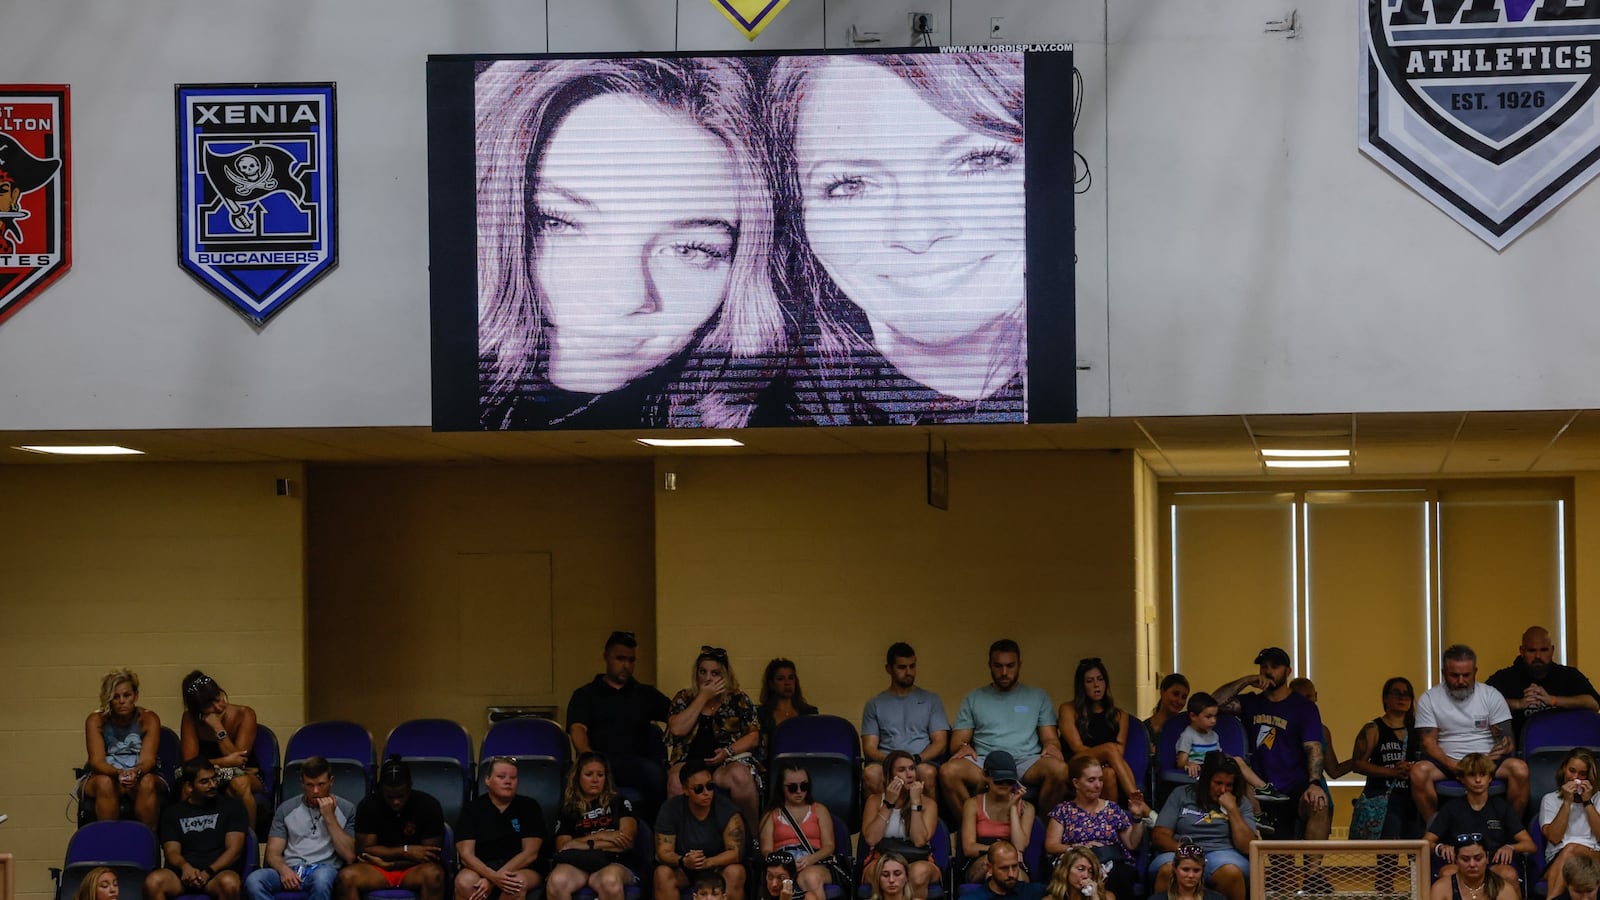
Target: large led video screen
{"points": [[723, 241]]}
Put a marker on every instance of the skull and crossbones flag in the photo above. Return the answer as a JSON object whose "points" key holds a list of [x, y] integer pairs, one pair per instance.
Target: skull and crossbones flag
{"points": [[252, 173]]}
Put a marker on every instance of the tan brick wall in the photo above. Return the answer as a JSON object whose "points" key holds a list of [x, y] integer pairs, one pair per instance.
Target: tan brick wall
{"points": [[161, 568]]}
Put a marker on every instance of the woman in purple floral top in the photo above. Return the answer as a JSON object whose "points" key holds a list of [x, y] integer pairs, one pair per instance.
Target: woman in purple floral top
{"points": [[1085, 819], [717, 722]]}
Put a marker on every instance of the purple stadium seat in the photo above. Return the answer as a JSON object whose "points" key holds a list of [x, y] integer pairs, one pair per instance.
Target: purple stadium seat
{"points": [[439, 752], [266, 748], [348, 749], [1230, 734], [1137, 752], [1032, 859], [252, 861], [126, 846], [829, 749], [543, 754], [1547, 737], [167, 753]]}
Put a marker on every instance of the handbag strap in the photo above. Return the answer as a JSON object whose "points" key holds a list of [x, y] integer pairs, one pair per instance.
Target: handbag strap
{"points": [[804, 843]]}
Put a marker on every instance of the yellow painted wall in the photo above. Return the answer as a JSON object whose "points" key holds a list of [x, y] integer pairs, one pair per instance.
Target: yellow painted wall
{"points": [[828, 560], [156, 567], [436, 591]]}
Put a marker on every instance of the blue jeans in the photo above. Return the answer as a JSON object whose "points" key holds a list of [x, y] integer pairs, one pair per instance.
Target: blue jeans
{"points": [[1215, 859], [318, 883]]}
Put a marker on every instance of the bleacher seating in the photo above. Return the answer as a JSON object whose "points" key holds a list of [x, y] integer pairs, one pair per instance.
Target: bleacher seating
{"points": [[127, 847], [439, 753], [543, 753], [830, 750], [939, 855], [640, 860], [447, 859], [348, 749], [1230, 734]]}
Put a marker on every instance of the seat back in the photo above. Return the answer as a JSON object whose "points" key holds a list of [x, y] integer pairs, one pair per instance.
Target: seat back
{"points": [[271, 761], [126, 846], [1231, 735], [543, 753], [439, 753], [348, 749], [169, 756], [1549, 736], [829, 748], [1136, 752]]}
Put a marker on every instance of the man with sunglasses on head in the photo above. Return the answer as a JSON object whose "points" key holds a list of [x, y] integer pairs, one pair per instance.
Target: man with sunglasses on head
{"points": [[615, 714], [698, 831]]}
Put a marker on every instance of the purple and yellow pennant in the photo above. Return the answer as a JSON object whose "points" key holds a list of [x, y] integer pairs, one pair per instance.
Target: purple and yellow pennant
{"points": [[750, 16]]}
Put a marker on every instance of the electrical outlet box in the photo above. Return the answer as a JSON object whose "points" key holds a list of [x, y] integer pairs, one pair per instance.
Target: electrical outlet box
{"points": [[923, 23], [997, 28]]}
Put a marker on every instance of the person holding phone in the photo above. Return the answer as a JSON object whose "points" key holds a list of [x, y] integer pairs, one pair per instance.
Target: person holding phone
{"points": [[998, 813]]}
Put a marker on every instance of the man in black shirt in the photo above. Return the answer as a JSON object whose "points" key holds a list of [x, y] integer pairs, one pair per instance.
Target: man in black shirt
{"points": [[1005, 875], [499, 839], [399, 837], [613, 714], [1535, 682], [697, 832], [203, 839]]}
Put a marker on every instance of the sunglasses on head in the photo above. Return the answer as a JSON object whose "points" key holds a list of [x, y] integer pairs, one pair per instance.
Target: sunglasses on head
{"points": [[700, 788], [797, 787], [1463, 840], [1190, 851], [717, 653]]}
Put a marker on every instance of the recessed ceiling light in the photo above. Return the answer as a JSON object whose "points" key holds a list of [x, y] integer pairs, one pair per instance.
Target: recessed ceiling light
{"points": [[1308, 463], [1306, 454], [690, 442], [81, 449]]}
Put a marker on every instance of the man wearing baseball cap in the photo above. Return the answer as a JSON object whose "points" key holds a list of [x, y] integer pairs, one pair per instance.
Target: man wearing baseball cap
{"points": [[1285, 732]]}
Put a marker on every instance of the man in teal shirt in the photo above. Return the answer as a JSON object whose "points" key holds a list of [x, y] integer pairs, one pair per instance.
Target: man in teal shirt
{"points": [[1005, 715]]}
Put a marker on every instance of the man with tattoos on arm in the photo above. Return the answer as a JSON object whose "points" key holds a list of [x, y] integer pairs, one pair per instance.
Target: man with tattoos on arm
{"points": [[698, 831], [1285, 733], [1462, 715]]}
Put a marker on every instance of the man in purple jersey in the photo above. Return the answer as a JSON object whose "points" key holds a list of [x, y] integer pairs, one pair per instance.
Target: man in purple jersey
{"points": [[1285, 731]]}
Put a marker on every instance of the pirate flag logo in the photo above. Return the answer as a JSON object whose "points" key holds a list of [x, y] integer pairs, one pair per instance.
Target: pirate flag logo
{"points": [[256, 191], [242, 179], [34, 198]]}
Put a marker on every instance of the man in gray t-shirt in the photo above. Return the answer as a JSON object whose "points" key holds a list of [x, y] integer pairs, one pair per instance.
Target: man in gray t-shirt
{"points": [[904, 717], [312, 836]]}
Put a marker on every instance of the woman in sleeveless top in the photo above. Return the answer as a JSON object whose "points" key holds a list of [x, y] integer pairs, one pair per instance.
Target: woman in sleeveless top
{"points": [[803, 828], [902, 820], [224, 733], [998, 812], [122, 741], [1087, 820], [1091, 723], [1384, 750], [1473, 879], [715, 721]]}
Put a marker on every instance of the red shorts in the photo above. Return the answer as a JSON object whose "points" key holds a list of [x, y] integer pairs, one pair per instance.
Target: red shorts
{"points": [[395, 876]]}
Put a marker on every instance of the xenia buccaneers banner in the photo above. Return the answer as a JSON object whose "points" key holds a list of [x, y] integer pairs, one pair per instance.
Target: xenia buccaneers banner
{"points": [[34, 195], [1485, 107]]}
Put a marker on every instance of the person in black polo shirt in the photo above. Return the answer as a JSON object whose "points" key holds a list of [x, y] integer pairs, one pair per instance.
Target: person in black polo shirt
{"points": [[499, 838], [613, 714], [399, 837], [203, 839]]}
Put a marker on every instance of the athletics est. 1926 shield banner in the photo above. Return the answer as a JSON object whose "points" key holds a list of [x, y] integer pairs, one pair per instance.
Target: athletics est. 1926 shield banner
{"points": [[1485, 107]]}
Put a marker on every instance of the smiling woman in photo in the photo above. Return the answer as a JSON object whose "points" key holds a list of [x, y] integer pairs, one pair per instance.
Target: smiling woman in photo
{"points": [[624, 229], [899, 183]]}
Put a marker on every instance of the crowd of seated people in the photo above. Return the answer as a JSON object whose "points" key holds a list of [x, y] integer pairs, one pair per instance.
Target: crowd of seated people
{"points": [[1010, 757]]}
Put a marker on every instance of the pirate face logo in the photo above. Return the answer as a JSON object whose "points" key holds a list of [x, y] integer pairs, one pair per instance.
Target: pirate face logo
{"points": [[21, 173]]}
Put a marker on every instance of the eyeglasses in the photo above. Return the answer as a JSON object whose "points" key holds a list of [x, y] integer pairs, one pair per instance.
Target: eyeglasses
{"points": [[1463, 840], [797, 787], [717, 653], [700, 788], [1190, 851]]}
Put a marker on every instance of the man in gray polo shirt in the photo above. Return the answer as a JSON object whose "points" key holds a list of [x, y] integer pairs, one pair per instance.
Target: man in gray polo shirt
{"points": [[311, 837], [904, 717]]}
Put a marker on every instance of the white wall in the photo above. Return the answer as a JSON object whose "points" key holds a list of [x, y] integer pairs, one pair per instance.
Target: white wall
{"points": [[1236, 253]]}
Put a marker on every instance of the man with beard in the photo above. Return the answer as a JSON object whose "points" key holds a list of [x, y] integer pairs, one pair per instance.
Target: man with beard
{"points": [[203, 839], [1004, 881], [1285, 730], [1459, 716], [904, 717], [1005, 714], [1535, 682]]}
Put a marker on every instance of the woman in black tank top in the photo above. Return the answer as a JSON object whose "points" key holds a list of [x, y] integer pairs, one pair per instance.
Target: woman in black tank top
{"points": [[1473, 878], [224, 733], [1384, 751], [1091, 723]]}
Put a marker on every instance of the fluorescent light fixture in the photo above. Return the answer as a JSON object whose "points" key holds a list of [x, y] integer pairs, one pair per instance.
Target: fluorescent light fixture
{"points": [[1308, 463], [690, 442], [81, 449], [1306, 454]]}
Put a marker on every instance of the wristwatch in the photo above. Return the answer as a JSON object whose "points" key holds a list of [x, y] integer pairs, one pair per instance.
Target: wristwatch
{"points": [[221, 735], [916, 807]]}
